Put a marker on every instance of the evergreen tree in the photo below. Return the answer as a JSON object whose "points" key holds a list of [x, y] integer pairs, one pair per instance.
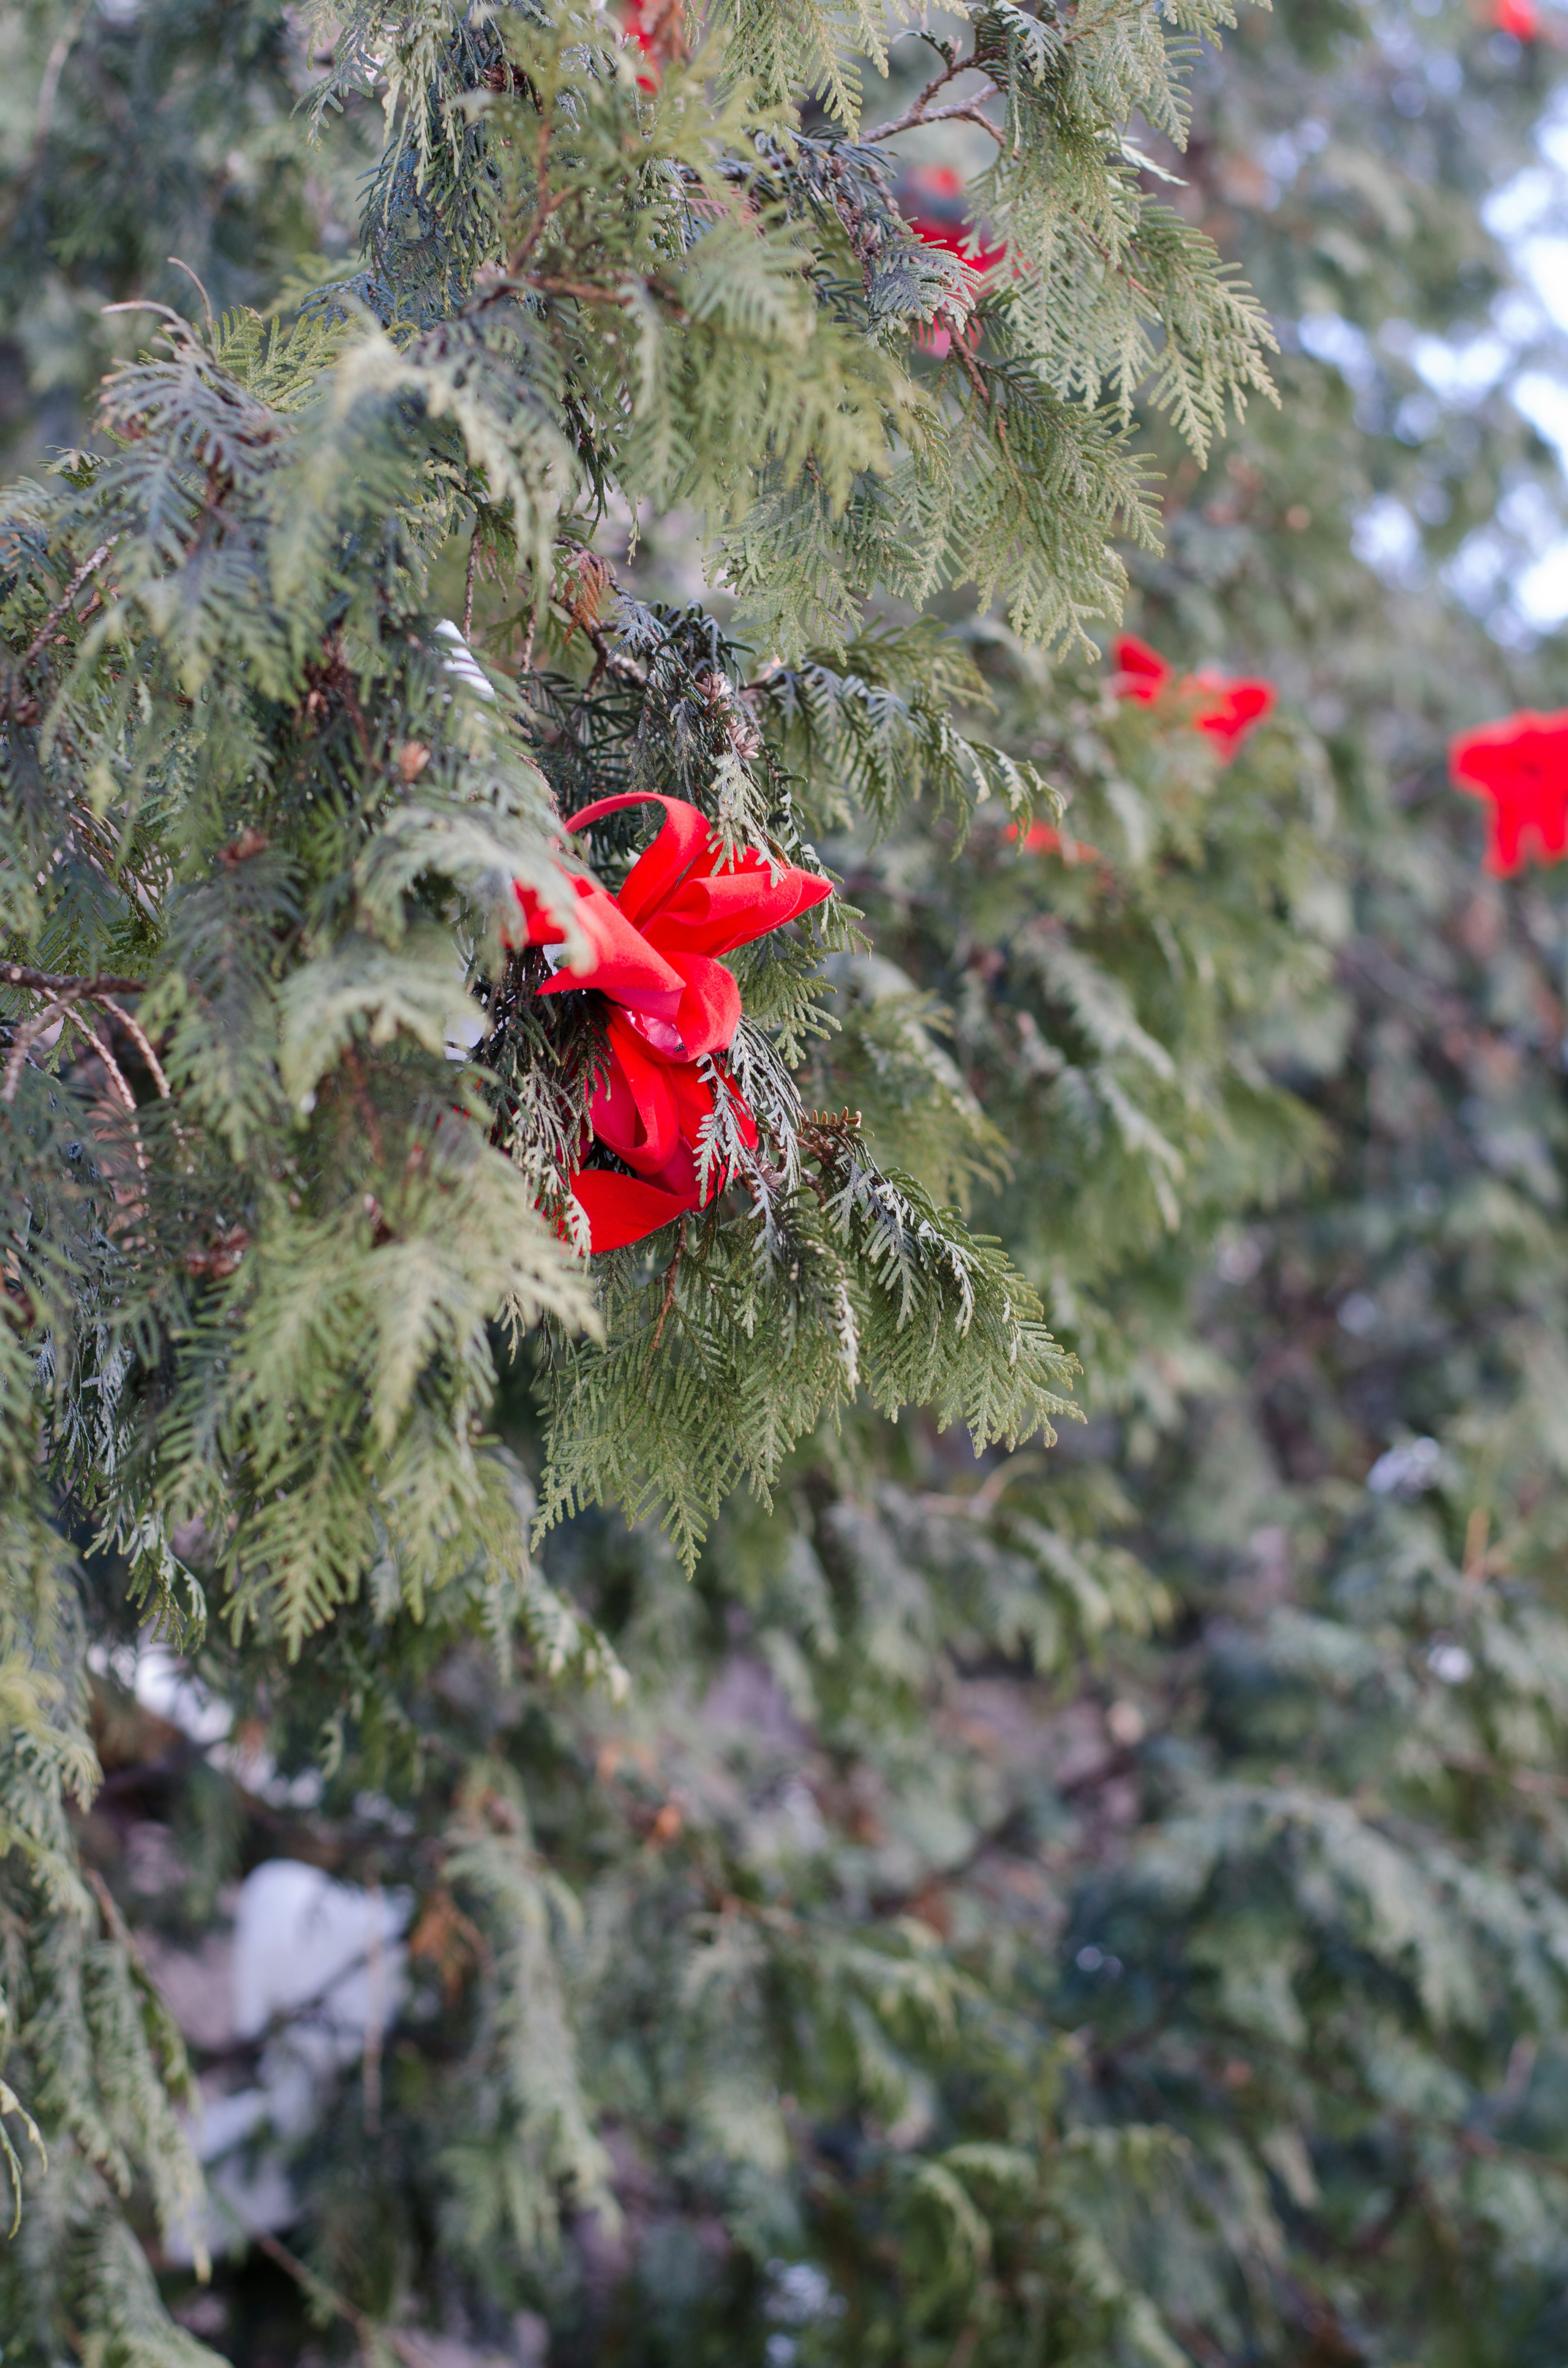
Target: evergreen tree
{"points": [[1100, 1907]]}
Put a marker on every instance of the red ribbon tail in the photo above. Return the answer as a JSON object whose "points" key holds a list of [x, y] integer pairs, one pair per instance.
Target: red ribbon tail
{"points": [[622, 1210]]}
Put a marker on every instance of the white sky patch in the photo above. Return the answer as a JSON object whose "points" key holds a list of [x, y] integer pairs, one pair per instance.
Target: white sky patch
{"points": [[1544, 262], [1521, 204], [1387, 539], [1461, 374], [1328, 339], [1544, 402], [1541, 593], [1514, 570]]}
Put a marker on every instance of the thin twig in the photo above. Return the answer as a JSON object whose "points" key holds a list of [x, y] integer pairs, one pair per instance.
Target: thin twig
{"points": [[116, 1074], [61, 606], [915, 112], [1525, 1779], [467, 586], [22, 1043], [54, 66], [143, 1043], [585, 292], [671, 1273], [973, 370], [982, 1503], [351, 1062], [963, 110], [412, 2352], [180, 264], [608, 661], [149, 304], [547, 204]]}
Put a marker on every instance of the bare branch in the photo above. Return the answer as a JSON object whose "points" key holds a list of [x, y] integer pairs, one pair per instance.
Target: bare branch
{"points": [[58, 611], [608, 661], [47, 981], [965, 111], [25, 1037], [921, 111], [116, 1074], [143, 1043], [468, 584]]}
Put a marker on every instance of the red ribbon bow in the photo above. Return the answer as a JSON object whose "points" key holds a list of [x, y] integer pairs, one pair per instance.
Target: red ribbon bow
{"points": [[1521, 764], [1520, 19], [935, 203], [654, 956], [1229, 706], [1043, 839]]}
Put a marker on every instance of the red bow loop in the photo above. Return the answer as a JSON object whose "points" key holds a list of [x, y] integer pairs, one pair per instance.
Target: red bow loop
{"points": [[621, 963], [1141, 672], [1225, 707], [634, 1111], [684, 897], [655, 949], [684, 836], [1521, 764]]}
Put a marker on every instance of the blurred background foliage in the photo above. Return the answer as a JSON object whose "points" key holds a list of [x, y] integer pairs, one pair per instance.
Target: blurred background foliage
{"points": [[1105, 1906]]}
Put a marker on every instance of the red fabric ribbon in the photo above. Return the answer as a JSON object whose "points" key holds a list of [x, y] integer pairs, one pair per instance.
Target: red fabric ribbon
{"points": [[1520, 19], [658, 29], [934, 203], [1521, 764], [1227, 706], [1043, 839], [654, 955], [934, 200]]}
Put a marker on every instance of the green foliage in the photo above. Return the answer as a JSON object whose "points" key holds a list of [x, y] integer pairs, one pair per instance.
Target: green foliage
{"points": [[132, 136], [1101, 1905], [873, 1287]]}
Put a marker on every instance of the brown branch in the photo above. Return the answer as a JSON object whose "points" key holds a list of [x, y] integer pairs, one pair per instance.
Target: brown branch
{"points": [[972, 370], [671, 1273], [116, 1074], [406, 2346], [921, 111], [61, 606], [608, 661], [143, 1043], [354, 1068], [1131, 276], [468, 584], [983, 1502], [117, 1078], [48, 982], [25, 1037], [963, 110], [65, 992], [548, 205], [583, 291]]}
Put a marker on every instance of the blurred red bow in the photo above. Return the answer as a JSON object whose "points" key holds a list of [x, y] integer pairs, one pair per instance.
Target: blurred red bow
{"points": [[934, 200], [1228, 707], [656, 28], [653, 957], [1521, 764]]}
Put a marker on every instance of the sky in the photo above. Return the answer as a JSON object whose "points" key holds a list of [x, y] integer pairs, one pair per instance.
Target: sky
{"points": [[1529, 214], [1514, 571]]}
